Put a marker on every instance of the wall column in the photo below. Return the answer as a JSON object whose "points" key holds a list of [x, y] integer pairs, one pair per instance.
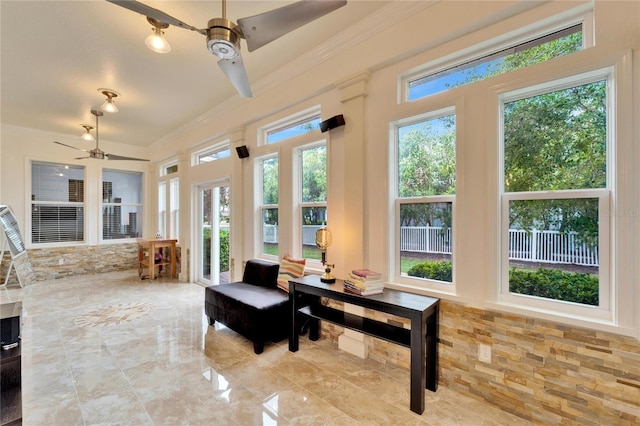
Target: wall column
{"points": [[184, 224], [349, 233], [237, 221]]}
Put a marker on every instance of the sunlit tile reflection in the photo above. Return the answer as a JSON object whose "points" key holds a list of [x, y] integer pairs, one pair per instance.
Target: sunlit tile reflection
{"points": [[171, 367]]}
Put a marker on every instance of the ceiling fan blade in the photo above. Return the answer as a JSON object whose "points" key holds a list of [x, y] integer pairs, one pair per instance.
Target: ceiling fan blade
{"points": [[69, 146], [120, 157], [81, 158], [235, 72], [156, 14], [261, 29]]}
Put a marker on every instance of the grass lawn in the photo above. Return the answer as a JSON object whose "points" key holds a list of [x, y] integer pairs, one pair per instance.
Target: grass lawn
{"points": [[308, 252]]}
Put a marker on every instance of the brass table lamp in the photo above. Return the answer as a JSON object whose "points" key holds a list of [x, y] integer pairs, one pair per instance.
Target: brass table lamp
{"points": [[323, 241]]}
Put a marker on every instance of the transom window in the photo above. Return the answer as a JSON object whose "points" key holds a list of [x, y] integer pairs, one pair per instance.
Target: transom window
{"points": [[169, 168], [212, 154], [298, 124], [514, 57]]}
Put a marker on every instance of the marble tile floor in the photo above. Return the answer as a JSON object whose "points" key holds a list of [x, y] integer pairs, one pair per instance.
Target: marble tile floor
{"points": [[112, 349]]}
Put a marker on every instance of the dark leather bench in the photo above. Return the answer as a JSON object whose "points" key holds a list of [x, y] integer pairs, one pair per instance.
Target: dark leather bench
{"points": [[254, 307]]}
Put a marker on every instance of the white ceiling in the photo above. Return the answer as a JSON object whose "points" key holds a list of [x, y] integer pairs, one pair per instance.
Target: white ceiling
{"points": [[56, 54]]}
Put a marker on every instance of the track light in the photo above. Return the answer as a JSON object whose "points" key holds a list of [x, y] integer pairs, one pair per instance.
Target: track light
{"points": [[87, 136], [109, 105], [156, 41]]}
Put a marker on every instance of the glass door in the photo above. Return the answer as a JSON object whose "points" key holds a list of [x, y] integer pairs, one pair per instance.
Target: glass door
{"points": [[213, 255]]}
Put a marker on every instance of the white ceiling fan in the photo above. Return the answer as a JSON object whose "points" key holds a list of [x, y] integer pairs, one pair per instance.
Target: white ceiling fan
{"points": [[97, 153], [223, 36]]}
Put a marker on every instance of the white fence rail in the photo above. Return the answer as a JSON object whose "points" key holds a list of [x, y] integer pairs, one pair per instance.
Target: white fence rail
{"points": [[534, 246], [550, 247], [270, 234]]}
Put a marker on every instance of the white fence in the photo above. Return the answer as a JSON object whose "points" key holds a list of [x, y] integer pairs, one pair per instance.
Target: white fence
{"points": [[550, 247], [534, 246], [270, 234]]}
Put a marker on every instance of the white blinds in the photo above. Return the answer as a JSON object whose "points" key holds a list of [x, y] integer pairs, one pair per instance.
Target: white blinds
{"points": [[57, 203]]}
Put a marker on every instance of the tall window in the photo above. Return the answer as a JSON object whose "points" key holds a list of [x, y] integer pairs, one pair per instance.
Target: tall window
{"points": [[269, 205], [169, 200], [426, 186], [313, 197], [121, 204], [162, 208], [506, 59], [555, 190], [57, 203], [174, 208]]}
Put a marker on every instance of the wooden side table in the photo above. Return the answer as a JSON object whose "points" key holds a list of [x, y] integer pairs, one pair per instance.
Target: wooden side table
{"points": [[152, 247]]}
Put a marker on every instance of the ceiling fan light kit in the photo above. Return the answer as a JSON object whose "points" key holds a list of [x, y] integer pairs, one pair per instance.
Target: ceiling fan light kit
{"points": [[156, 41], [223, 36], [109, 105], [97, 153], [87, 136]]}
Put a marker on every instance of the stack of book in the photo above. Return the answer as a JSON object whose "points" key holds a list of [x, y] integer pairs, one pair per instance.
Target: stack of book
{"points": [[364, 282]]}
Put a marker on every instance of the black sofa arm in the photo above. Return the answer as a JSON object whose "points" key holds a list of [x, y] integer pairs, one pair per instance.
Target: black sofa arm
{"points": [[261, 273]]}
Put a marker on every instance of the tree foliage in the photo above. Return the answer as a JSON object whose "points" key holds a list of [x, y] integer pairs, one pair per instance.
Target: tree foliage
{"points": [[426, 166], [314, 175]]}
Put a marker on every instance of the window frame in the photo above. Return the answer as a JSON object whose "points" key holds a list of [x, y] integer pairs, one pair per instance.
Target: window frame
{"points": [[605, 312], [102, 205], [163, 169], [397, 201], [579, 16], [31, 203], [210, 150], [287, 122], [300, 204], [262, 206]]}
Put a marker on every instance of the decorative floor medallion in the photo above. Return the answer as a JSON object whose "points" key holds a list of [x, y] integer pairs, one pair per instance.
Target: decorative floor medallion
{"points": [[113, 315]]}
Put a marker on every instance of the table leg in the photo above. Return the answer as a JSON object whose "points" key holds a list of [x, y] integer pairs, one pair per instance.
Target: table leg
{"points": [[152, 261], [432, 351], [173, 260], [140, 259], [418, 363], [295, 335]]}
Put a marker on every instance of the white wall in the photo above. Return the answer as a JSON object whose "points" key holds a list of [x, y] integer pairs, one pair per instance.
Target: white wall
{"points": [[20, 146]]}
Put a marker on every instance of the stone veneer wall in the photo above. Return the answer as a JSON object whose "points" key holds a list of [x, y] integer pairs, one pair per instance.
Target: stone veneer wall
{"points": [[542, 371], [78, 260]]}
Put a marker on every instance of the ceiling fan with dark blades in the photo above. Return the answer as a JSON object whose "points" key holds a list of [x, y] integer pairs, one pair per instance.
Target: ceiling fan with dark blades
{"points": [[223, 36], [97, 153]]}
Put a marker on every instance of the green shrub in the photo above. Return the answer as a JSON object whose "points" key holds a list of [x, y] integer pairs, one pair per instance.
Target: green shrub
{"points": [[440, 271], [224, 250], [548, 283], [555, 284]]}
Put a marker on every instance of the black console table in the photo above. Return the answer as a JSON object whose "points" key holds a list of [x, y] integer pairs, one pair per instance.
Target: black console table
{"points": [[421, 339]]}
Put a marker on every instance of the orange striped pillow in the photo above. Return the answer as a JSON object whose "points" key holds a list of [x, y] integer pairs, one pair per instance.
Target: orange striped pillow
{"points": [[290, 268]]}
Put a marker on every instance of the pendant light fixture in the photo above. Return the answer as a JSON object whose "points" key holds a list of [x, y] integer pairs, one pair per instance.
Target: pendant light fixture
{"points": [[156, 41], [109, 105], [87, 136]]}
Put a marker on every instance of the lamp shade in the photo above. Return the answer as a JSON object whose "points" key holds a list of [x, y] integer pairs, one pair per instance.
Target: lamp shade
{"points": [[109, 106], [323, 238], [157, 42]]}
